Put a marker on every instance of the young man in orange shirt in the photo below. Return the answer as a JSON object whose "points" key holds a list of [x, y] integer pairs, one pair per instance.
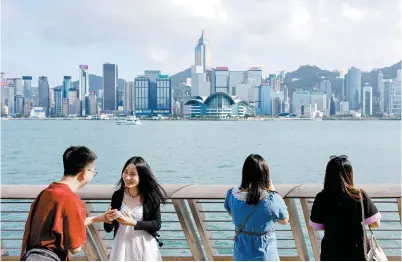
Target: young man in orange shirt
{"points": [[57, 219]]}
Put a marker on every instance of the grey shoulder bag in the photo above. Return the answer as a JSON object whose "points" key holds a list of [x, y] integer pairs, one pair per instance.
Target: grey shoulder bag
{"points": [[375, 253]]}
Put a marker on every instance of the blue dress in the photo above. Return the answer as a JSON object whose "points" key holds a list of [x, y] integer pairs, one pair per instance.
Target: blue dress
{"points": [[249, 246]]}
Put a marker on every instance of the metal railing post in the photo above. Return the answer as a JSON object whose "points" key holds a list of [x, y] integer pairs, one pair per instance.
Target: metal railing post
{"points": [[199, 221], [297, 229], [188, 229]]}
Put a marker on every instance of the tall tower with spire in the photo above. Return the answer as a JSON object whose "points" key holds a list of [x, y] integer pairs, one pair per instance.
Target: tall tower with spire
{"points": [[203, 53]]}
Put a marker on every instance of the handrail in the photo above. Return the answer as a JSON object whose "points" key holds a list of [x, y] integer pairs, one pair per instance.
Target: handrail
{"points": [[190, 191], [195, 225]]}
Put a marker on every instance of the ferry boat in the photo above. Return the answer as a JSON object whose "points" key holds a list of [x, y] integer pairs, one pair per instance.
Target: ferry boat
{"points": [[129, 121]]}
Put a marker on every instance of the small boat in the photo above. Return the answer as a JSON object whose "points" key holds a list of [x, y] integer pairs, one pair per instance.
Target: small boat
{"points": [[129, 121]]}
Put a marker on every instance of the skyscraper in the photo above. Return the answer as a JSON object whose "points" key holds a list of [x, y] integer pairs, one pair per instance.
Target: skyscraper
{"points": [[129, 98], [83, 86], [72, 102], [15, 89], [110, 83], [367, 108], [43, 86], [90, 103], [83, 81], [152, 75], [27, 87], [353, 88], [395, 95], [203, 53], [67, 84], [163, 95], [58, 101], [11, 96], [380, 86], [141, 85], [266, 99], [220, 82], [325, 86]]}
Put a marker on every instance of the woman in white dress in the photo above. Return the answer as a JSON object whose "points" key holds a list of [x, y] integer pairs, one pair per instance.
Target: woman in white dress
{"points": [[138, 217]]}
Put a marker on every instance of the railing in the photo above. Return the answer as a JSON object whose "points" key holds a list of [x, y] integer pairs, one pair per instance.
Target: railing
{"points": [[195, 225]]}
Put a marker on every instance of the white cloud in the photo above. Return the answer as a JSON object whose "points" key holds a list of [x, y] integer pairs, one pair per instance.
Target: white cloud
{"points": [[207, 9], [351, 12], [272, 34], [300, 17], [157, 54]]}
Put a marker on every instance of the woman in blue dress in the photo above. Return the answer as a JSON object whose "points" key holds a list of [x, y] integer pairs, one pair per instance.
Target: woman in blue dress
{"points": [[255, 207]]}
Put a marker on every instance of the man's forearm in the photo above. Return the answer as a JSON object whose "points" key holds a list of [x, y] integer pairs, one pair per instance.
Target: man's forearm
{"points": [[95, 219]]}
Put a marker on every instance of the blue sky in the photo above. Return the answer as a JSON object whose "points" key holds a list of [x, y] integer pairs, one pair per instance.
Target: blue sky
{"points": [[51, 38]]}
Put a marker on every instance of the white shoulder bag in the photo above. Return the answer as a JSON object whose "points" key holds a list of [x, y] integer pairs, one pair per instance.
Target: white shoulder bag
{"points": [[375, 253]]}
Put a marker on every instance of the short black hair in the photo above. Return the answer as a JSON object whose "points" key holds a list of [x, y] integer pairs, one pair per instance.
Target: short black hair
{"points": [[76, 158]]}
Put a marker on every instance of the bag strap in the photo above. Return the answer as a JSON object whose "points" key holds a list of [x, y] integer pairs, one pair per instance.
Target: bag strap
{"points": [[247, 219], [364, 227]]}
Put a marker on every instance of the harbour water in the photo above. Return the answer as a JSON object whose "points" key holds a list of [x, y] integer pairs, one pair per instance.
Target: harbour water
{"points": [[200, 152], [203, 152]]}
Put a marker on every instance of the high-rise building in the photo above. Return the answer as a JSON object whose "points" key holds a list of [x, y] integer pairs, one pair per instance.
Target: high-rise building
{"points": [[254, 76], [35, 96], [83, 80], [141, 85], [353, 88], [325, 86], [332, 107], [67, 84], [254, 79], [90, 103], [319, 98], [58, 101], [266, 100], [220, 79], [27, 87], [27, 107], [11, 97], [65, 107], [199, 87], [51, 101], [83, 88], [367, 107], [300, 98], [274, 82], [163, 96], [395, 95], [387, 95], [152, 76], [72, 102], [110, 83], [276, 106], [15, 89], [43, 87], [380, 91], [129, 98], [236, 77], [203, 53], [19, 105]]}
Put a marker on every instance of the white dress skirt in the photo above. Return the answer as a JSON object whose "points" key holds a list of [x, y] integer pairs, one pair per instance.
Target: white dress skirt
{"points": [[130, 244]]}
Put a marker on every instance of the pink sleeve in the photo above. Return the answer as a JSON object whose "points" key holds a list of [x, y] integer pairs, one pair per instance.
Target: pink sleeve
{"points": [[316, 226]]}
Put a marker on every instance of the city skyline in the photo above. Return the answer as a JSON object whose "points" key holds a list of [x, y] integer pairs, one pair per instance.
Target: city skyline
{"points": [[303, 32]]}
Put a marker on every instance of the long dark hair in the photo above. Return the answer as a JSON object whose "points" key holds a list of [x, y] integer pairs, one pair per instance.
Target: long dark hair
{"points": [[151, 192], [255, 178], [339, 178]]}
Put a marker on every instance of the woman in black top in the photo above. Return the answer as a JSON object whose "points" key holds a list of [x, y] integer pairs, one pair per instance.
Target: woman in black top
{"points": [[337, 211], [137, 216]]}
